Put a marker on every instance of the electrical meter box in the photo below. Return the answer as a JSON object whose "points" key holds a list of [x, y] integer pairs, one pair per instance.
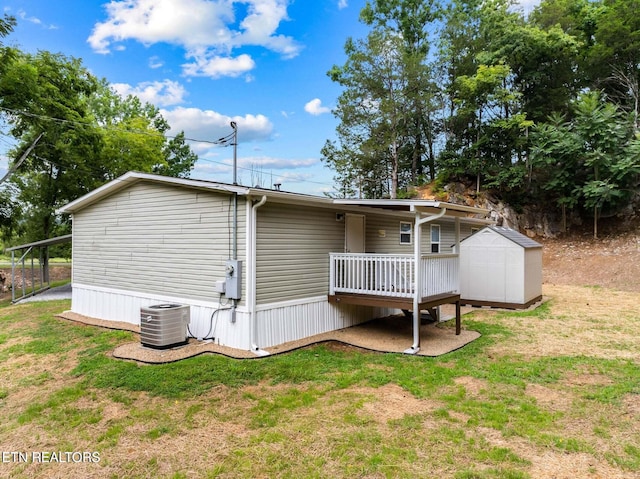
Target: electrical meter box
{"points": [[233, 279]]}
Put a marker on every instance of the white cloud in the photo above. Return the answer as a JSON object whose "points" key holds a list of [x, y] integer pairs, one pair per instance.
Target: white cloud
{"points": [[155, 62], [158, 93], [260, 25], [270, 163], [216, 67], [314, 107], [208, 30], [190, 23], [342, 4], [210, 125], [22, 15], [204, 168], [292, 177]]}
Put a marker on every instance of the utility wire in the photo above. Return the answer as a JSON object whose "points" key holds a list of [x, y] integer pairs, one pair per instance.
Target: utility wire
{"points": [[224, 141]]}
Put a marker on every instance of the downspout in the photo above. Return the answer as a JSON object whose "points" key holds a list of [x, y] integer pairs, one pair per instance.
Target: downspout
{"points": [[417, 247], [234, 250], [252, 280]]}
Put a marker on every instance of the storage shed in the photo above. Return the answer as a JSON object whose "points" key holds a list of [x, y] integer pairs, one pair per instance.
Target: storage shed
{"points": [[500, 267]]}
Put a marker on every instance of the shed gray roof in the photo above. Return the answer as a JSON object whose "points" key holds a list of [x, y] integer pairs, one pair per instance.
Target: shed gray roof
{"points": [[515, 236]]}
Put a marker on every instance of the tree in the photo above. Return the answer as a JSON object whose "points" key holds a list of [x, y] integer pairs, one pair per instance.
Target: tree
{"points": [[555, 156], [606, 136], [47, 93], [410, 20], [91, 135], [8, 207], [372, 108], [593, 159], [615, 55], [388, 128]]}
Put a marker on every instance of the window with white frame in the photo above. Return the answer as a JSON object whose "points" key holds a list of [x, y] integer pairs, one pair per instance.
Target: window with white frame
{"points": [[435, 238], [406, 232]]}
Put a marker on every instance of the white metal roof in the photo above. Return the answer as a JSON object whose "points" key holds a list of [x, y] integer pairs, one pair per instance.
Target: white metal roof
{"points": [[409, 205], [412, 205]]}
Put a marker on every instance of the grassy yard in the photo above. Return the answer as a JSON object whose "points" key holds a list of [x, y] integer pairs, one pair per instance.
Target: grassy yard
{"points": [[553, 393]]}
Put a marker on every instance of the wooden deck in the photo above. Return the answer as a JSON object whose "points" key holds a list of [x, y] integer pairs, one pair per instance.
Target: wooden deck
{"points": [[428, 303]]}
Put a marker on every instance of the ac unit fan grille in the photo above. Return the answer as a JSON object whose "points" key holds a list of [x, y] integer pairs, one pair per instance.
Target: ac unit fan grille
{"points": [[164, 326]]}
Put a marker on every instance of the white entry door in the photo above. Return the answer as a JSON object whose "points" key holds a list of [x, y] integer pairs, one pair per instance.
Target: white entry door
{"points": [[354, 233]]}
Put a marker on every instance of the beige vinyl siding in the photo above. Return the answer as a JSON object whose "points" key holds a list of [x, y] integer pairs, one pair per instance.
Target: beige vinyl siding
{"points": [[156, 239], [447, 236], [389, 241], [383, 235], [293, 246]]}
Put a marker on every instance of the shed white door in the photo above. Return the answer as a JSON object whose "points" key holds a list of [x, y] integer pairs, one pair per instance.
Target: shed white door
{"points": [[354, 233]]}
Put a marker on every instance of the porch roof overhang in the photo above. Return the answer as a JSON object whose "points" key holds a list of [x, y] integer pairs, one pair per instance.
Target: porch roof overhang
{"points": [[419, 206]]}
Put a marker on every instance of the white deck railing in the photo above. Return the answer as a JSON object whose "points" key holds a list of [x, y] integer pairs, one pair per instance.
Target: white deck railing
{"points": [[392, 275]]}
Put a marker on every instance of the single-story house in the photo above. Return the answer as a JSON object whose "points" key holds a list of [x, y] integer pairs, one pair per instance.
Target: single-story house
{"points": [[261, 267]]}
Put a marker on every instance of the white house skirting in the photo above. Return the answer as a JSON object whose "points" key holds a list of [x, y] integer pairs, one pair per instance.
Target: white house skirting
{"points": [[122, 305], [276, 323], [290, 322]]}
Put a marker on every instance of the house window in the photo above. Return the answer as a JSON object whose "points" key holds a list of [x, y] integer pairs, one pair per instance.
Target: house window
{"points": [[406, 231], [435, 238]]}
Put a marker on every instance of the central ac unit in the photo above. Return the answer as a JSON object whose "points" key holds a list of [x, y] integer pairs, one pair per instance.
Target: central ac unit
{"points": [[164, 326]]}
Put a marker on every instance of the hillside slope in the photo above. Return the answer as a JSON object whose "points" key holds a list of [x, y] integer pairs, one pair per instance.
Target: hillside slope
{"points": [[611, 262]]}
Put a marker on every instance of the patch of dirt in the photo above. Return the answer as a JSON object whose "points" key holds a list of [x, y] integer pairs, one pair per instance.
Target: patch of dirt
{"points": [[472, 386], [548, 397], [56, 273], [611, 262], [391, 402]]}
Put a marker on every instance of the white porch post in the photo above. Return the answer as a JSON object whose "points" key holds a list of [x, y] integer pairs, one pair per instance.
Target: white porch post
{"points": [[417, 291]]}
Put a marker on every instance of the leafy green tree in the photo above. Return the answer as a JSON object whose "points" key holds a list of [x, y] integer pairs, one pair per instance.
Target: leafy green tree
{"points": [[592, 160], [410, 20], [178, 158], [7, 22], [90, 136], [47, 93], [555, 158], [10, 212], [373, 107], [615, 54], [606, 136], [8, 207], [134, 137], [387, 109]]}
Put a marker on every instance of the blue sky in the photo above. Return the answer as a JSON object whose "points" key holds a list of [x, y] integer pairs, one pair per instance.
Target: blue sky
{"points": [[260, 63]]}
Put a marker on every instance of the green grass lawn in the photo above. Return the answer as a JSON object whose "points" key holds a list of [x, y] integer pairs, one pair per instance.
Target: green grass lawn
{"points": [[481, 412]]}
